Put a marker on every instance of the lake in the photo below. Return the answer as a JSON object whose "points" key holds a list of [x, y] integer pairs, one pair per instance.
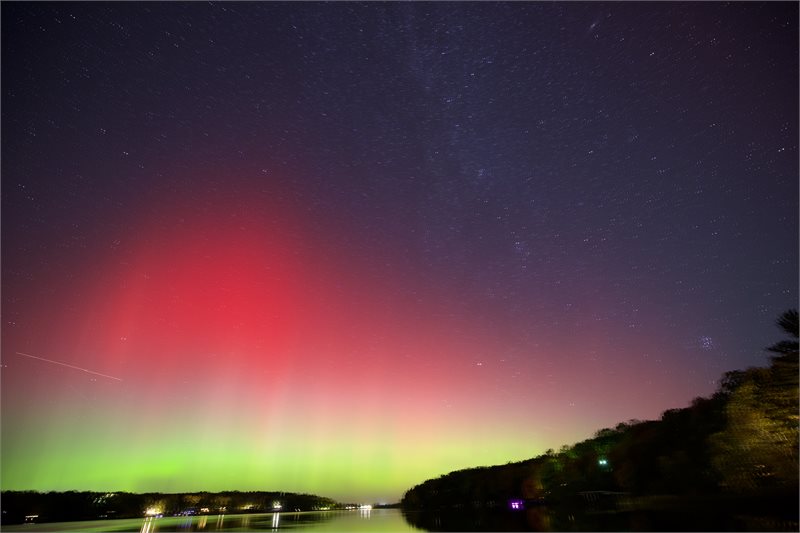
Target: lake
{"points": [[354, 520], [393, 520]]}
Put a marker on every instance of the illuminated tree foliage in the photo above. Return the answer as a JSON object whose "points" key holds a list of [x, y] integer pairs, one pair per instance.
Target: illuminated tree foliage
{"points": [[759, 446]]}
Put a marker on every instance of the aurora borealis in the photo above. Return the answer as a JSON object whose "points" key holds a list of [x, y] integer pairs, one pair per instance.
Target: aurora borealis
{"points": [[342, 248]]}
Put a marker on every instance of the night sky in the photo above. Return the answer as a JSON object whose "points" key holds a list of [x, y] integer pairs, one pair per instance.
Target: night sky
{"points": [[342, 248]]}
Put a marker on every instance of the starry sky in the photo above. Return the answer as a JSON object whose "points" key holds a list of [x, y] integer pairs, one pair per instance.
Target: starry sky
{"points": [[340, 248]]}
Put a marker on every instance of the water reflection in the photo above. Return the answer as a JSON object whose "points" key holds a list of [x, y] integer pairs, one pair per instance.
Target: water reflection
{"points": [[362, 519], [391, 520], [538, 519], [147, 525]]}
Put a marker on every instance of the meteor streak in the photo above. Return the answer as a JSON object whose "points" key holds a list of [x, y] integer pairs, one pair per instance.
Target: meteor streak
{"points": [[68, 366]]}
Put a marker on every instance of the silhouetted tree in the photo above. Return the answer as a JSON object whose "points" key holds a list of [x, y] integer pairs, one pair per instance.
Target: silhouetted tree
{"points": [[788, 349]]}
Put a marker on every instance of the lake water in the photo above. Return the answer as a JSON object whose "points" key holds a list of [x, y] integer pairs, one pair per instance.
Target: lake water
{"points": [[393, 520], [355, 520]]}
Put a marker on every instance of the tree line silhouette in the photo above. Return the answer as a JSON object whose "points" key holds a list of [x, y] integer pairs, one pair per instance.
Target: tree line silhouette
{"points": [[740, 444]]}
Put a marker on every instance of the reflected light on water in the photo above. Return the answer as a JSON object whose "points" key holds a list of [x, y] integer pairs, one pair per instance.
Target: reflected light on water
{"points": [[147, 525], [201, 524], [220, 521], [276, 521], [538, 519]]}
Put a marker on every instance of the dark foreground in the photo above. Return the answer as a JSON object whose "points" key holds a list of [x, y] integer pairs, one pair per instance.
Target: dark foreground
{"points": [[776, 512], [543, 519], [539, 518]]}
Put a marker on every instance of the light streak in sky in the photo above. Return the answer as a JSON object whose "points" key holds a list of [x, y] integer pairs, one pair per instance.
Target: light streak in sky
{"points": [[68, 366]]}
